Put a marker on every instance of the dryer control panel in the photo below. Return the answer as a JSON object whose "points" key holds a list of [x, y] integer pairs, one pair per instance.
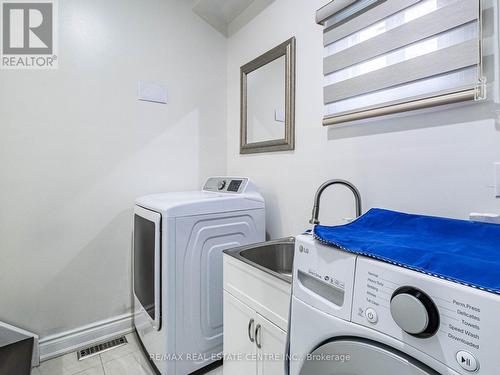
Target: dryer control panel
{"points": [[235, 185], [455, 324]]}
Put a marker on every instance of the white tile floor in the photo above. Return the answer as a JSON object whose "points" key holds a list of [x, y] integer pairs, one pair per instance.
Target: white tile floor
{"points": [[125, 360]]}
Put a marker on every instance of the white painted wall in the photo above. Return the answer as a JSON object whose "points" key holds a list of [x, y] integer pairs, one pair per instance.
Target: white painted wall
{"points": [[438, 163], [76, 148]]}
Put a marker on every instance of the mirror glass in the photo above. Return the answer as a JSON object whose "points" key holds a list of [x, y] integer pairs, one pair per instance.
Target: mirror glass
{"points": [[266, 102]]}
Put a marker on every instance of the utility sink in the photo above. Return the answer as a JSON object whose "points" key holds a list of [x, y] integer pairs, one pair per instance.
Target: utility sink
{"points": [[274, 257]]}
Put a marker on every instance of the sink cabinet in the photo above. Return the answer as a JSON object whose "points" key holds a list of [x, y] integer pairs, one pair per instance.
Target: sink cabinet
{"points": [[256, 307], [239, 326], [272, 342]]}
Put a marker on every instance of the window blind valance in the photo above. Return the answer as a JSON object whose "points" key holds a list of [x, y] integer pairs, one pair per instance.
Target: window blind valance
{"points": [[388, 56]]}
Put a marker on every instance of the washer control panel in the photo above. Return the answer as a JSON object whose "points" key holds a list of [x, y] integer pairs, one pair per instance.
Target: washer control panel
{"points": [[450, 322], [414, 312], [235, 185]]}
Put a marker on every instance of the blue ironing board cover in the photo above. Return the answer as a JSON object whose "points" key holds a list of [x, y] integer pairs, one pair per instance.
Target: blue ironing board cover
{"points": [[461, 251]]}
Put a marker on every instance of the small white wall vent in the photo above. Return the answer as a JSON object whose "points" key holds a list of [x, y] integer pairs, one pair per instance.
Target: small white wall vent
{"points": [[152, 92]]}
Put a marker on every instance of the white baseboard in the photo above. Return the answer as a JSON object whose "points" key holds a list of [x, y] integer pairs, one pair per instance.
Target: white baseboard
{"points": [[69, 341]]}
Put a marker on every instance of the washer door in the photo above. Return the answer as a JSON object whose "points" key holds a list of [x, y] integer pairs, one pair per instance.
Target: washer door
{"points": [[353, 356]]}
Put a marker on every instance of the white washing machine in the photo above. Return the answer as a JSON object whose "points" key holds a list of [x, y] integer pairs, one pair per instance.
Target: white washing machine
{"points": [[177, 268], [359, 316]]}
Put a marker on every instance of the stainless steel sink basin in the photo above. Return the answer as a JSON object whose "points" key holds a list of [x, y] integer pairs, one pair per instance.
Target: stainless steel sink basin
{"points": [[274, 257]]}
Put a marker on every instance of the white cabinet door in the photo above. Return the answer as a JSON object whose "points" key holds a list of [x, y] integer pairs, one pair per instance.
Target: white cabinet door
{"points": [[240, 351], [271, 341]]}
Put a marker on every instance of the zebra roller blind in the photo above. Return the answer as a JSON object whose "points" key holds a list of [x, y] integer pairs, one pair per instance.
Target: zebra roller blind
{"points": [[388, 56]]}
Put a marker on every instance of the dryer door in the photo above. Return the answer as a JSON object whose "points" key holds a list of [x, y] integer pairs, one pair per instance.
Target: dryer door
{"points": [[353, 356], [146, 262]]}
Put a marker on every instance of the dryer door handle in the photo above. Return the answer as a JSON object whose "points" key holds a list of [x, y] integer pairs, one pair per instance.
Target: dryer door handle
{"points": [[250, 330]]}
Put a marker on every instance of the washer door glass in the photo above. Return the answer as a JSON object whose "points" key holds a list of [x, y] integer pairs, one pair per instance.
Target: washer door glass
{"points": [[361, 357]]}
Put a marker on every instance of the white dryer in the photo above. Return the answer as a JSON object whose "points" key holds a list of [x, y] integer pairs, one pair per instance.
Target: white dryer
{"points": [[177, 268], [359, 316]]}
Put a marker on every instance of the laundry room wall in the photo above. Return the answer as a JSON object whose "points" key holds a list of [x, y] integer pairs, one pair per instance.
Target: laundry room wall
{"points": [[77, 147], [438, 162]]}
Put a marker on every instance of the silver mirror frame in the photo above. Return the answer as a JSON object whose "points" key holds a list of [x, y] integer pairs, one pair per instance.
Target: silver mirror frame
{"points": [[286, 49]]}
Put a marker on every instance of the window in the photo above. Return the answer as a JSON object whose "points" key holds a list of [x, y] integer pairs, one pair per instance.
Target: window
{"points": [[388, 56]]}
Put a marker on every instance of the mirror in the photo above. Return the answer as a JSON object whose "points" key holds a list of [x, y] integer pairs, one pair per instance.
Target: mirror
{"points": [[268, 101]]}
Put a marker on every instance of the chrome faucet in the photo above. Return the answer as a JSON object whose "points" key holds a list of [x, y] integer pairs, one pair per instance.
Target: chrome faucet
{"points": [[357, 196]]}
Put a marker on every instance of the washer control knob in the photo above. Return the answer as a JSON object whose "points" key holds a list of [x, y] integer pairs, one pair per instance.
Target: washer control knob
{"points": [[467, 361], [414, 312], [371, 315], [221, 185]]}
